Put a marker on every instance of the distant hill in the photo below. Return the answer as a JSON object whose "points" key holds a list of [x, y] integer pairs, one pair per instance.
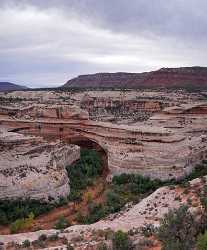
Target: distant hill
{"points": [[186, 77], [8, 86]]}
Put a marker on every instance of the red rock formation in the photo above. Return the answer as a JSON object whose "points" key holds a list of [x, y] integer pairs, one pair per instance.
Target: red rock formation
{"points": [[165, 77]]}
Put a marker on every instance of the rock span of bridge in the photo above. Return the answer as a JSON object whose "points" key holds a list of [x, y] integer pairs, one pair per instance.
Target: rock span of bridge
{"points": [[148, 150]]}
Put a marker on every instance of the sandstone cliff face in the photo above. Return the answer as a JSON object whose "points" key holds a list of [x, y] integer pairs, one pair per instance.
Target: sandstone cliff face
{"points": [[147, 148], [115, 109], [32, 168], [43, 111], [120, 79], [165, 77]]}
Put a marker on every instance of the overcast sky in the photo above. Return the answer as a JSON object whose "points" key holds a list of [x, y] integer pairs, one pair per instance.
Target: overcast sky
{"points": [[46, 42]]}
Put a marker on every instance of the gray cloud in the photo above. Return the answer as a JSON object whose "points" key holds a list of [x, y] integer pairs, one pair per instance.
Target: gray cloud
{"points": [[52, 40]]}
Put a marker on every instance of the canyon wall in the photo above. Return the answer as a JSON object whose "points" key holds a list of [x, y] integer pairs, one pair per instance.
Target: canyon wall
{"points": [[147, 148], [114, 109], [33, 168]]}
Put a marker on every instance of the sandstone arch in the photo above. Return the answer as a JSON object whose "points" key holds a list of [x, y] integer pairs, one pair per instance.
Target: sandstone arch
{"points": [[147, 149], [87, 143]]}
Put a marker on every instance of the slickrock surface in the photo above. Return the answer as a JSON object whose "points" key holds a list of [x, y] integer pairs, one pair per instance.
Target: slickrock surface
{"points": [[33, 168]]}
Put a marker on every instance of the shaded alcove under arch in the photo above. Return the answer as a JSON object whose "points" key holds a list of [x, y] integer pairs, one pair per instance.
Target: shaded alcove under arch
{"points": [[86, 143]]}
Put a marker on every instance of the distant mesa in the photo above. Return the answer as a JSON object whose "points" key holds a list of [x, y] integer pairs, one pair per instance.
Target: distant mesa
{"points": [[189, 77], [8, 86]]}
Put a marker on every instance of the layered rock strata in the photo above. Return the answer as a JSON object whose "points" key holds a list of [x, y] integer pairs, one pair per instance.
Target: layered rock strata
{"points": [[167, 146], [190, 77], [33, 168], [114, 109]]}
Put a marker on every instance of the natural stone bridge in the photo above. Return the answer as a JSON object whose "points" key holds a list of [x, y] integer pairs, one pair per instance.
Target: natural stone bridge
{"points": [[151, 150]]}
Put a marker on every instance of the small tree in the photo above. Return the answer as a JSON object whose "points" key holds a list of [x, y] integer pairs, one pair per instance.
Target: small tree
{"points": [[178, 230], [62, 223], [121, 241]]}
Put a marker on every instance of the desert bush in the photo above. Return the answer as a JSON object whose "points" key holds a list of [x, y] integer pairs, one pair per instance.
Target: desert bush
{"points": [[26, 244], [114, 201], [178, 230], [202, 241], [21, 224], [148, 230], [80, 217], [102, 246], [62, 201], [89, 197], [42, 237], [96, 212], [11, 210], [83, 172], [39, 244], [121, 241], [137, 184], [61, 223]]}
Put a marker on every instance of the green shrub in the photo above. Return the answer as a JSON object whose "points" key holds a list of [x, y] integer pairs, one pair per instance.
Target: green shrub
{"points": [[121, 241], [96, 212], [102, 246], [62, 201], [178, 230], [137, 184], [3, 218], [148, 230], [62, 223], [42, 237], [84, 172], [11, 210], [114, 201], [80, 218], [17, 226], [26, 244], [39, 243], [202, 241], [21, 224]]}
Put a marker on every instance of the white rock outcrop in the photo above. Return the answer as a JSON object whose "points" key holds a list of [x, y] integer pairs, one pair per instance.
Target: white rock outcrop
{"points": [[30, 167]]}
